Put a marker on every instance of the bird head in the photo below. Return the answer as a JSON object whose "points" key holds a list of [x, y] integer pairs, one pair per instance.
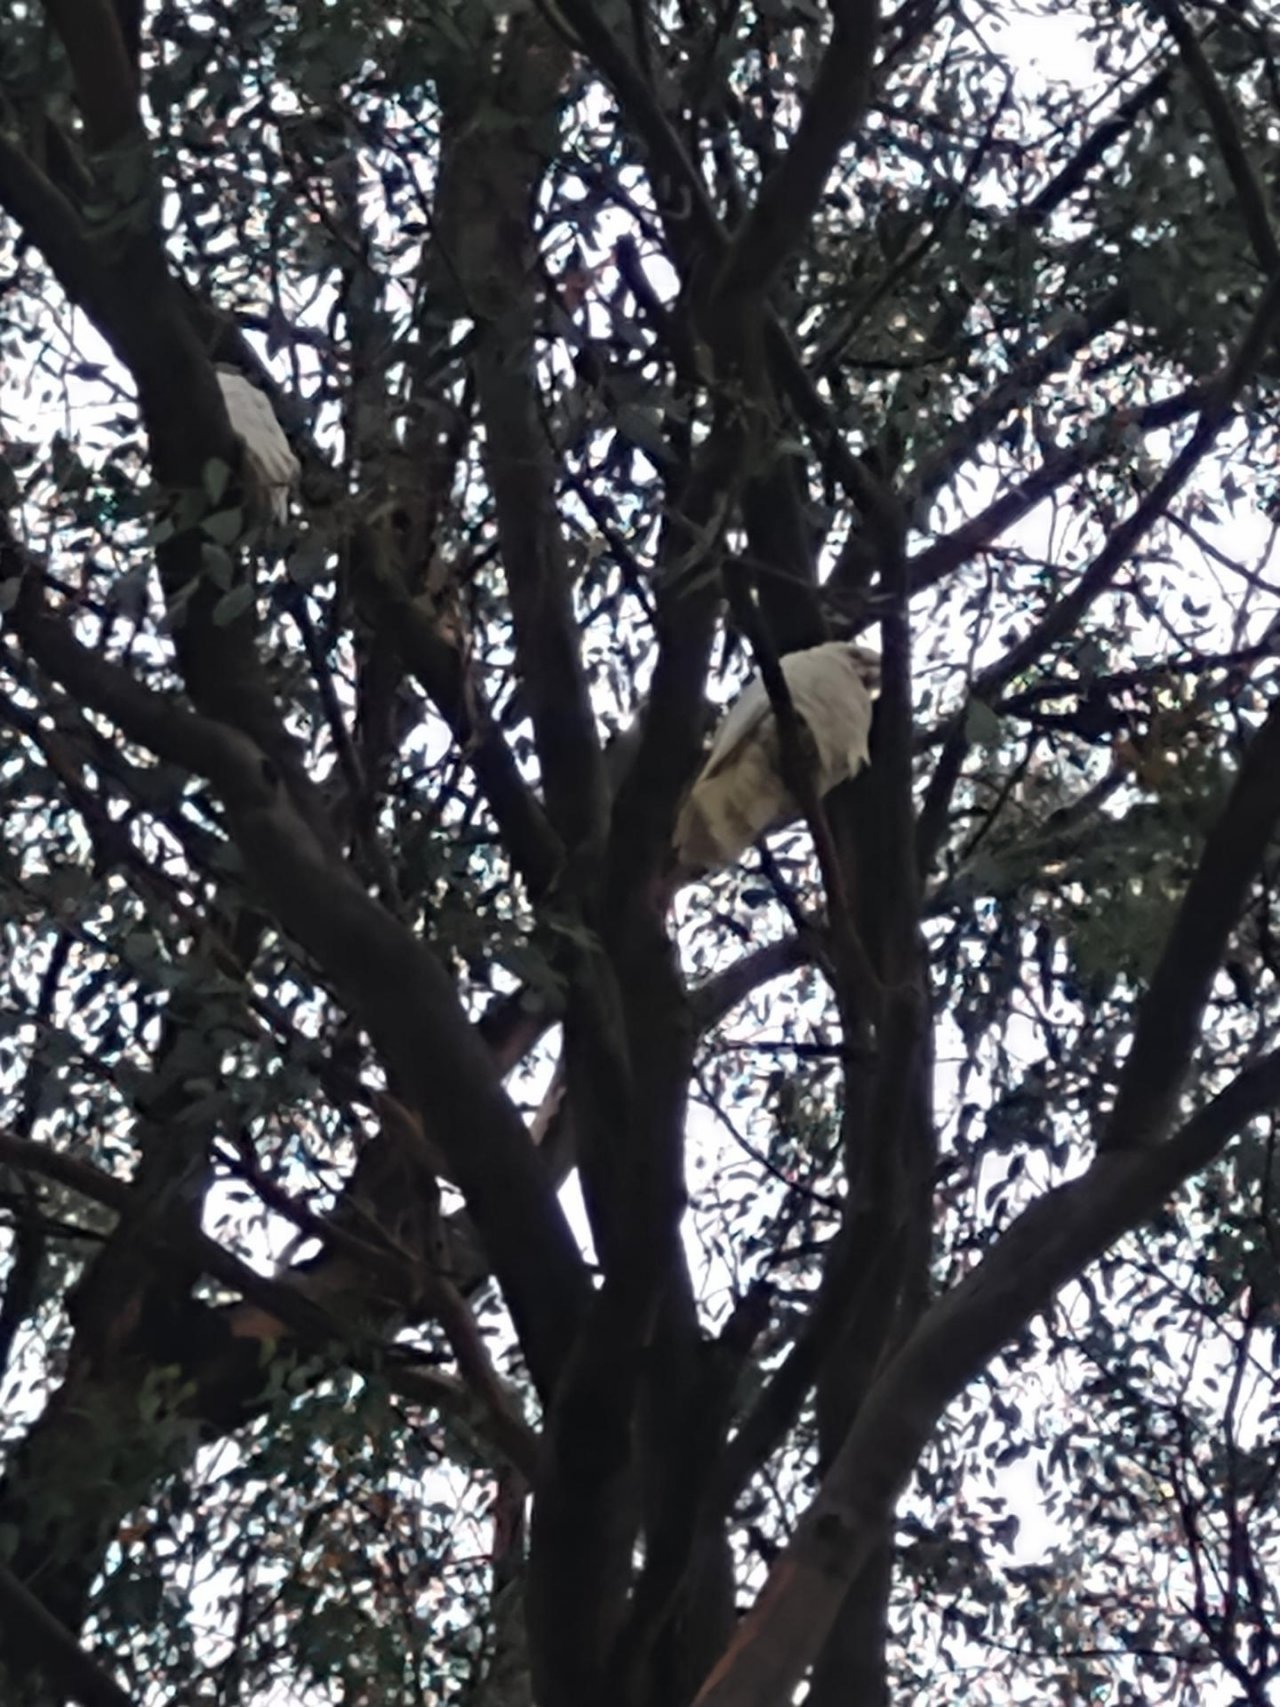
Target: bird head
{"points": [[867, 664]]}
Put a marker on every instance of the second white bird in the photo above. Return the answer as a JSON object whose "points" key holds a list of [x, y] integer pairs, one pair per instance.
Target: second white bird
{"points": [[270, 467]]}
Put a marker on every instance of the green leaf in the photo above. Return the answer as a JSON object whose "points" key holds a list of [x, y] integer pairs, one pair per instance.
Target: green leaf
{"points": [[226, 526], [981, 724], [233, 604], [190, 509], [215, 476], [176, 614], [140, 949], [308, 563], [643, 426], [218, 564]]}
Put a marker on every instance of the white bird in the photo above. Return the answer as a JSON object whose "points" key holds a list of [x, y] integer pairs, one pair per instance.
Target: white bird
{"points": [[739, 793], [270, 467]]}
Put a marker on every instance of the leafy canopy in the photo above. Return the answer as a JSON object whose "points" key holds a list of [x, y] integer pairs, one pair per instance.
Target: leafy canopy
{"points": [[448, 1255]]}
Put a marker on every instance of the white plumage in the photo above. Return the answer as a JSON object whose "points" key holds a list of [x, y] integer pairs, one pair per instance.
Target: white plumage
{"points": [[270, 467], [739, 794]]}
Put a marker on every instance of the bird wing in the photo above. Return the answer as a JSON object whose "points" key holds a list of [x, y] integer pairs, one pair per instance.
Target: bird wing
{"points": [[739, 794], [742, 719], [253, 421], [729, 810], [829, 691]]}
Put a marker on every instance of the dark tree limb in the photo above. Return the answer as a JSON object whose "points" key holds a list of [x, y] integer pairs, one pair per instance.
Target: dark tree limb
{"points": [[535, 849], [1226, 132], [128, 292], [49, 219], [714, 999], [1217, 411], [106, 80], [1091, 152], [54, 1649], [1011, 392], [678, 186], [857, 987], [393, 982], [768, 236], [1063, 615], [288, 1305], [27, 1253], [1169, 1017], [887, 1135], [490, 173], [1048, 1245], [941, 559], [645, 807]]}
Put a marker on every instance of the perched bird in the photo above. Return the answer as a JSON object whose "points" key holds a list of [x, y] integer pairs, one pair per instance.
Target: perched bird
{"points": [[270, 467], [740, 794]]}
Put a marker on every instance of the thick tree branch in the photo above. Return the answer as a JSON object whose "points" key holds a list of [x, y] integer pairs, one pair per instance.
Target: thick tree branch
{"points": [[765, 242], [678, 186], [625, 1407], [56, 1650], [719, 995], [963, 543], [1065, 613], [1218, 409], [41, 210], [126, 289], [289, 1305], [490, 171], [1169, 1018], [1064, 183], [394, 983], [274, 1296], [645, 805], [105, 79], [1053, 356], [875, 501], [1226, 132], [1050, 1244], [536, 851]]}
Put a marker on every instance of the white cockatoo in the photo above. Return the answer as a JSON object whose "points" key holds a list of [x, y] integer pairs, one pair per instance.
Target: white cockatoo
{"points": [[739, 794], [270, 467]]}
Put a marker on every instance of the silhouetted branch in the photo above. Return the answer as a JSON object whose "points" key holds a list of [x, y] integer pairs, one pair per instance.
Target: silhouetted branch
{"points": [[58, 1654], [394, 982], [1226, 131], [106, 83], [1063, 615], [1049, 1244], [832, 109]]}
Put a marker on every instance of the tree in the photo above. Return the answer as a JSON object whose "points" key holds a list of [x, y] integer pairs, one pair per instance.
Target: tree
{"points": [[926, 1155]]}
